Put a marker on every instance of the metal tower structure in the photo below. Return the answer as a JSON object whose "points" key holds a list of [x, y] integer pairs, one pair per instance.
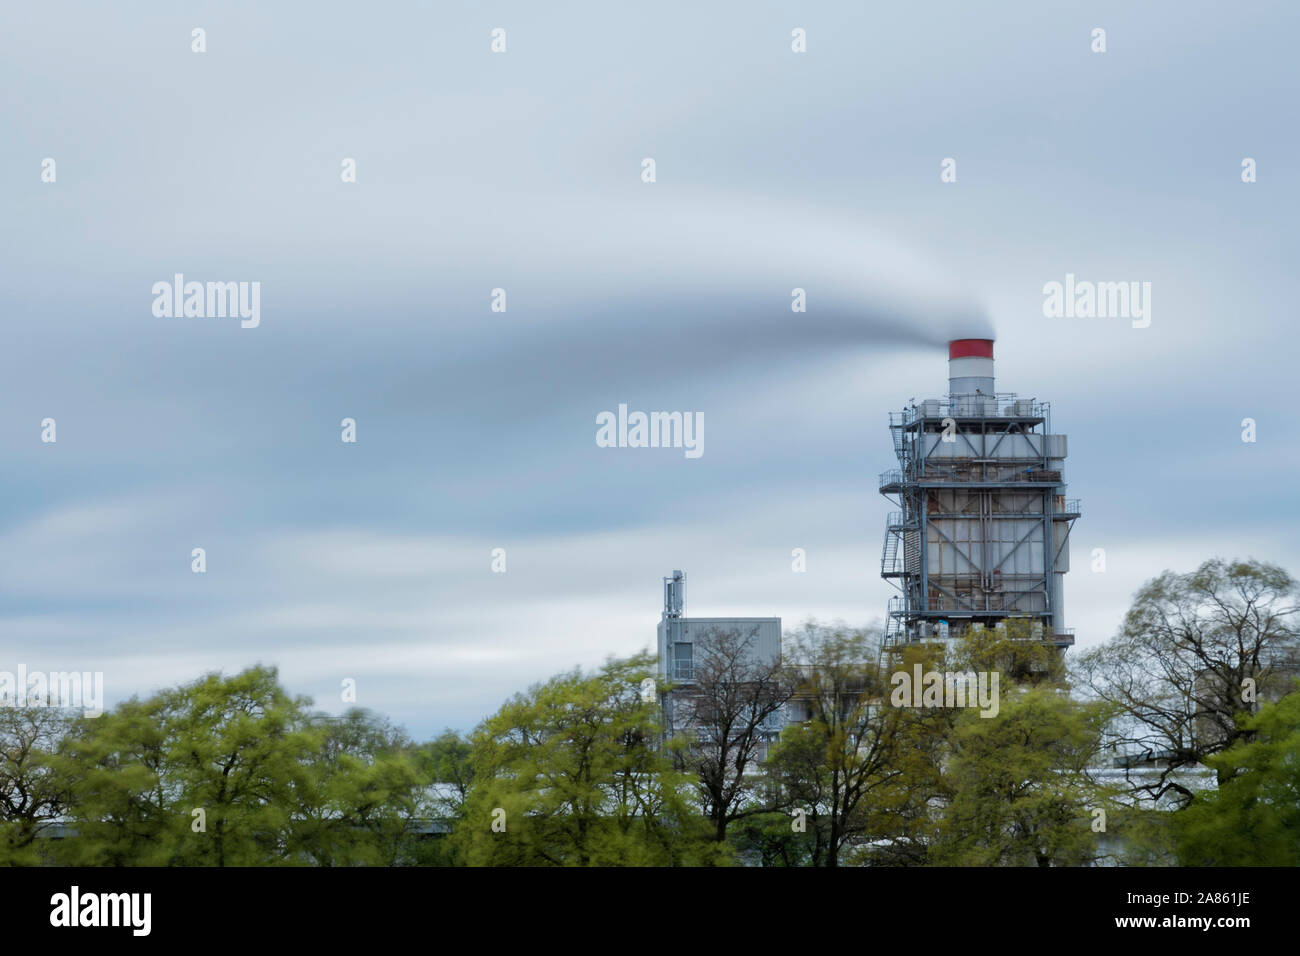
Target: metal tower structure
{"points": [[982, 533], [675, 652]]}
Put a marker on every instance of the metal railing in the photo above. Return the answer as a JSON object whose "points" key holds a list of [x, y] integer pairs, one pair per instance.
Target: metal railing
{"points": [[1002, 405], [896, 476], [898, 521], [893, 620]]}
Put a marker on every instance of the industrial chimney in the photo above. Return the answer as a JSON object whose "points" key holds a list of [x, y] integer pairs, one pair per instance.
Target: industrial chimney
{"points": [[970, 367], [982, 530]]}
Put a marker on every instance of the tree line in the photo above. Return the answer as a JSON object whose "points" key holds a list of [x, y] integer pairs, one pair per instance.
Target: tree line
{"points": [[1176, 741]]}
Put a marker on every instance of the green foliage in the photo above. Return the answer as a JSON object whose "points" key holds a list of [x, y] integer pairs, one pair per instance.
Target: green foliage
{"points": [[1139, 836], [1253, 819], [574, 773], [114, 767], [977, 788], [233, 771], [842, 754], [360, 795], [577, 771], [238, 750], [448, 761], [1020, 792], [770, 839], [32, 795], [1013, 650]]}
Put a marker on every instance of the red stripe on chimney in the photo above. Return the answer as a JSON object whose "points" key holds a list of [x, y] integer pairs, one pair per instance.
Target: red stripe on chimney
{"points": [[968, 348]]}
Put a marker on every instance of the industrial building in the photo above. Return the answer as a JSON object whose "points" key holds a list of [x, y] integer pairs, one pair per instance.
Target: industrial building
{"points": [[684, 643], [981, 534], [982, 530]]}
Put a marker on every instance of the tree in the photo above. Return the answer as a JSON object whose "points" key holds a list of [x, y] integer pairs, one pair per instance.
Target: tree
{"points": [[32, 796], [901, 817], [727, 713], [238, 748], [360, 797], [232, 771], [1020, 791], [204, 774], [446, 764], [1253, 819], [1013, 650], [770, 838], [114, 769], [844, 748], [976, 783], [1194, 655], [448, 760], [572, 773]]}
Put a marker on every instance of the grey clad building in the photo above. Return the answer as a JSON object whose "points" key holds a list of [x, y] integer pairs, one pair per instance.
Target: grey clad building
{"points": [[686, 645]]}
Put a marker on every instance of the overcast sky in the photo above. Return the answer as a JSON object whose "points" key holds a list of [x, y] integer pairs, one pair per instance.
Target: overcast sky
{"points": [[522, 170]]}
